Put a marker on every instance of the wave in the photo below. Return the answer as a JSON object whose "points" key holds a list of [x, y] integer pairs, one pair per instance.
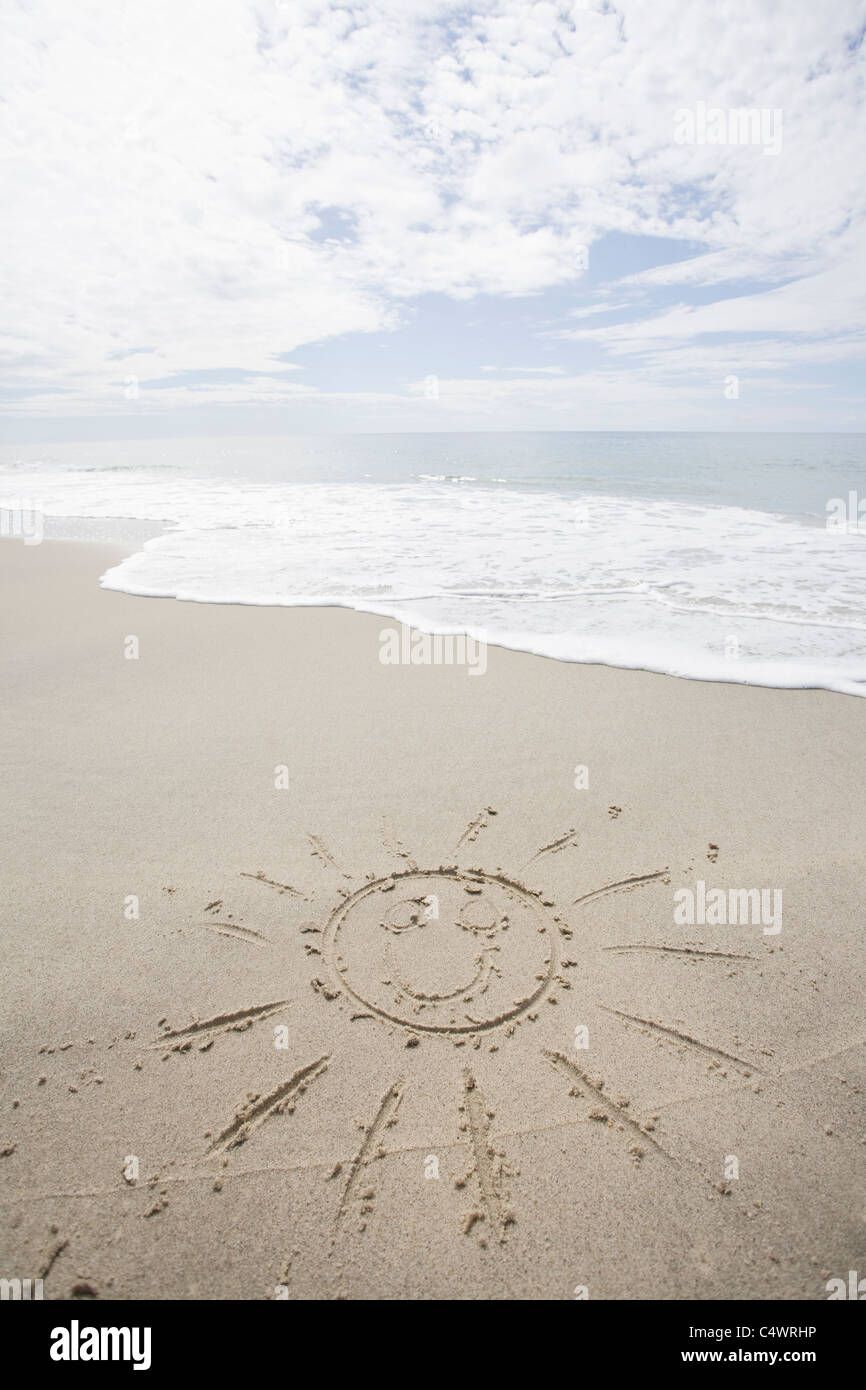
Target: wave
{"points": [[709, 591]]}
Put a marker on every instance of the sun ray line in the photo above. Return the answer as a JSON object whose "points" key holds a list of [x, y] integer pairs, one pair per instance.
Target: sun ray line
{"points": [[320, 850], [679, 951], [219, 1021], [555, 846], [239, 932], [386, 1113], [478, 1124], [475, 827], [618, 1115], [676, 1036], [614, 1110], [255, 1115], [395, 846], [260, 877], [622, 885]]}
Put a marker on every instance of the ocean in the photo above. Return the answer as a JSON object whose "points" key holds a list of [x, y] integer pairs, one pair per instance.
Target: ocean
{"points": [[702, 555]]}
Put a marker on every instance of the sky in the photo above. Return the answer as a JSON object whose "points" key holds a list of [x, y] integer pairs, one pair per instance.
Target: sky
{"points": [[237, 217]]}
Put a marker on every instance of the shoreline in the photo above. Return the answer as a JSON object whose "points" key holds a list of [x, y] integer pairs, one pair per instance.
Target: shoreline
{"points": [[154, 784], [116, 551]]}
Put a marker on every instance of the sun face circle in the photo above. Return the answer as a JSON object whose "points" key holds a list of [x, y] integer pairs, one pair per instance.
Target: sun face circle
{"points": [[446, 951]]}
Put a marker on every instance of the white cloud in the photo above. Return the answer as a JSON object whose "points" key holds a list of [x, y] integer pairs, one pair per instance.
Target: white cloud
{"points": [[168, 168]]}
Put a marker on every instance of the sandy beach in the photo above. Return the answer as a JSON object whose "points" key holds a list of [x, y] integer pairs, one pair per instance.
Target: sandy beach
{"points": [[329, 978]]}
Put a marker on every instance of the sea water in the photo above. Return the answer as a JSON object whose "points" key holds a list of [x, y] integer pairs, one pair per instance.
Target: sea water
{"points": [[702, 555]]}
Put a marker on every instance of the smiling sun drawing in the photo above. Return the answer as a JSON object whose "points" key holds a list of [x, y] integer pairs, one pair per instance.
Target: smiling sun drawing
{"points": [[464, 959], [451, 951]]}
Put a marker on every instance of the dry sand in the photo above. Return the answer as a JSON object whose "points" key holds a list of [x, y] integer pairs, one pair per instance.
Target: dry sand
{"points": [[413, 1045]]}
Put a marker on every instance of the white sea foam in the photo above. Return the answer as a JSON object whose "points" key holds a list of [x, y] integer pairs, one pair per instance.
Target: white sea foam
{"points": [[712, 592]]}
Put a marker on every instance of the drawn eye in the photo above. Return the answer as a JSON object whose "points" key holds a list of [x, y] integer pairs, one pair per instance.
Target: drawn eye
{"points": [[402, 916], [479, 915]]}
